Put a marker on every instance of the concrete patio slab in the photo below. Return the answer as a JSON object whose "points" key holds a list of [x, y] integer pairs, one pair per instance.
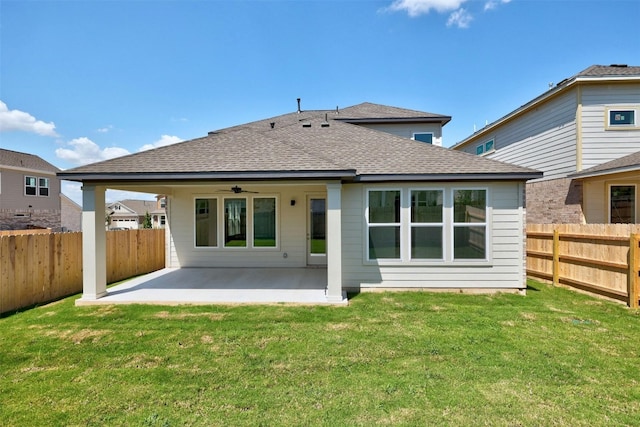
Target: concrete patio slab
{"points": [[174, 286]]}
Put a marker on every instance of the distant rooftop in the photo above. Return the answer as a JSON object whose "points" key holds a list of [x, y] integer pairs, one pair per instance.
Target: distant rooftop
{"points": [[20, 160]]}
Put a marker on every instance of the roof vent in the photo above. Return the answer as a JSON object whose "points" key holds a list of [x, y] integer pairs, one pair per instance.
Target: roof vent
{"points": [[619, 65], [306, 124], [324, 124], [272, 124], [299, 110]]}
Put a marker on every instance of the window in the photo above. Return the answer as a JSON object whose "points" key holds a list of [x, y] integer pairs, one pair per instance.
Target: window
{"points": [[235, 222], [264, 222], [206, 211], [43, 186], [622, 118], [424, 137], [426, 224], [35, 186], [30, 188], [469, 224], [383, 220], [485, 147], [622, 201]]}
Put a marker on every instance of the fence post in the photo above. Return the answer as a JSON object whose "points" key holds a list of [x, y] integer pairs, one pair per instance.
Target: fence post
{"points": [[633, 282], [556, 257]]}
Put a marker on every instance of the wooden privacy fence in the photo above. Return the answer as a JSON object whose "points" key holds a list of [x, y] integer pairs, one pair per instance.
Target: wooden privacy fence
{"points": [[599, 258], [37, 268]]}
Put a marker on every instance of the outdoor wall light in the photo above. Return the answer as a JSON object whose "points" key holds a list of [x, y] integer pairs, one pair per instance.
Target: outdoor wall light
{"points": [[293, 202]]}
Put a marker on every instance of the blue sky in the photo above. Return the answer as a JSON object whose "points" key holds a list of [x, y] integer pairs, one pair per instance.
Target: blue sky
{"points": [[82, 81]]}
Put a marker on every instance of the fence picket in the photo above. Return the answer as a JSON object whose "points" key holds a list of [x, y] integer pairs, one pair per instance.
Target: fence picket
{"points": [[41, 267]]}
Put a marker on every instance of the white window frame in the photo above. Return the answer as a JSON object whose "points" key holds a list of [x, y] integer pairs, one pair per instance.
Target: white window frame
{"points": [[47, 186], [433, 137], [277, 222], [482, 150], [485, 224], [448, 227], [194, 213], [401, 224], [622, 184], [442, 225], [35, 186], [220, 222], [611, 108]]}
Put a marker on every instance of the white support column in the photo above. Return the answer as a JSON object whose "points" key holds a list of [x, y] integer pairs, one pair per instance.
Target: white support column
{"points": [[94, 243], [334, 243]]}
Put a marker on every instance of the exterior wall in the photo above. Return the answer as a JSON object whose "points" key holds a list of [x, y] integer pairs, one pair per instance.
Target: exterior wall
{"points": [[71, 214], [19, 211], [596, 195], [557, 201], [504, 270], [599, 144], [542, 139], [406, 130], [291, 250]]}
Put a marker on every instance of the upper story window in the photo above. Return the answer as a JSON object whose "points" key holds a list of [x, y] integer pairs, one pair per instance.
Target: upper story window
{"points": [[485, 147], [424, 137], [35, 186], [621, 118]]}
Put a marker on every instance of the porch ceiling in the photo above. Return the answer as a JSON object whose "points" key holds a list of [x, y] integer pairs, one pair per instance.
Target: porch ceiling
{"points": [[203, 286]]}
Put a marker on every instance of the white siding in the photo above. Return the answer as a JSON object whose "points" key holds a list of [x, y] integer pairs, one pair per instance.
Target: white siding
{"points": [[596, 195], [504, 271], [600, 145], [406, 130], [292, 226], [542, 139]]}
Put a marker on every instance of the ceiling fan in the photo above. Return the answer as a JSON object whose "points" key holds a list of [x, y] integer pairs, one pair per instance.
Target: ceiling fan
{"points": [[237, 190]]}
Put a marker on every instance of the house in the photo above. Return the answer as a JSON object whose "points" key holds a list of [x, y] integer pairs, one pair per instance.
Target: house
{"points": [[610, 190], [130, 214], [584, 121], [336, 189], [71, 214], [29, 192]]}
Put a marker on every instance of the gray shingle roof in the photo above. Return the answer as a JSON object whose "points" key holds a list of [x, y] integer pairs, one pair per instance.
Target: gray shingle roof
{"points": [[609, 71], [25, 161], [623, 164], [303, 143]]}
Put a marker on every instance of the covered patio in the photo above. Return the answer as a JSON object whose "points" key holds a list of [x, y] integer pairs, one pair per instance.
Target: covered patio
{"points": [[202, 286]]}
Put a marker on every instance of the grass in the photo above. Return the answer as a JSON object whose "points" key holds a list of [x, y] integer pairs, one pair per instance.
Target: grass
{"points": [[554, 357]]}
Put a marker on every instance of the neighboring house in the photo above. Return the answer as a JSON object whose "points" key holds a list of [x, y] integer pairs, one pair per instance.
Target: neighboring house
{"points": [[130, 214], [584, 121], [29, 192], [326, 188], [610, 190], [71, 214]]}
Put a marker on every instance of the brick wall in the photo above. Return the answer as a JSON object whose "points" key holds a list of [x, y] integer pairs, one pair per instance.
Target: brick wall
{"points": [[558, 201], [34, 218]]}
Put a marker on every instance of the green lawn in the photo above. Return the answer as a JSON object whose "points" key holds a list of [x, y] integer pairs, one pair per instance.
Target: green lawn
{"points": [[554, 357]]}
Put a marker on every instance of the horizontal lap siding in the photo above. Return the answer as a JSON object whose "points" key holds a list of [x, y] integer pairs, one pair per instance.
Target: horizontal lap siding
{"points": [[505, 271], [600, 145], [291, 230]]}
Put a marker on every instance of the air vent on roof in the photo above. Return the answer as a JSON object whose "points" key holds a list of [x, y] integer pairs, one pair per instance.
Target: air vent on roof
{"points": [[299, 110], [306, 124], [619, 65], [272, 124]]}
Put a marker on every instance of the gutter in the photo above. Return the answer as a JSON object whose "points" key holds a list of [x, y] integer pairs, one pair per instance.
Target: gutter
{"points": [[195, 176]]}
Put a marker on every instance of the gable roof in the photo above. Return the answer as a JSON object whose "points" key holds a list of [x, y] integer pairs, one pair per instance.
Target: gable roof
{"points": [[302, 145], [628, 163], [18, 160], [592, 74]]}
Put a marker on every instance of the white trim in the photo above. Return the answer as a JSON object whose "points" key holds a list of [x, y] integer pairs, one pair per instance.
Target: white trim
{"points": [[607, 117], [635, 196], [486, 224]]}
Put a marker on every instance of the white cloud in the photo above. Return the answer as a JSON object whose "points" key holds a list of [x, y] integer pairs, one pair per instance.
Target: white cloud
{"points": [[492, 4], [164, 140], [422, 7], [84, 151], [460, 18], [105, 129], [12, 120]]}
